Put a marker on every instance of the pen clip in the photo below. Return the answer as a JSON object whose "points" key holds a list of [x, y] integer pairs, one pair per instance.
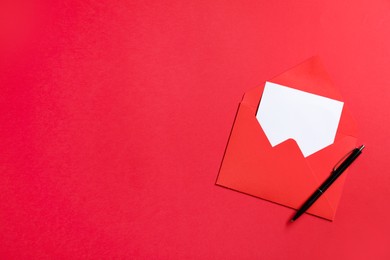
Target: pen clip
{"points": [[341, 161]]}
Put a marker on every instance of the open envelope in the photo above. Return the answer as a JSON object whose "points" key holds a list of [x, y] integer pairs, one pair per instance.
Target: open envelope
{"points": [[282, 174]]}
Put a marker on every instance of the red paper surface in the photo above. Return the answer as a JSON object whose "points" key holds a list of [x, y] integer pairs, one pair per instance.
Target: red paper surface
{"points": [[115, 116]]}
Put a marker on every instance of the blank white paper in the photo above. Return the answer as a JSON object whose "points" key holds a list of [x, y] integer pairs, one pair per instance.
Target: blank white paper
{"points": [[311, 120]]}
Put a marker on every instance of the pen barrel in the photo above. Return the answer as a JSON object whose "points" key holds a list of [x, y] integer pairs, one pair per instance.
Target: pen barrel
{"points": [[310, 201], [343, 166], [328, 182]]}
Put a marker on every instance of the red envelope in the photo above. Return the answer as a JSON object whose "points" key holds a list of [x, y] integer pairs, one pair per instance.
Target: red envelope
{"points": [[282, 174]]}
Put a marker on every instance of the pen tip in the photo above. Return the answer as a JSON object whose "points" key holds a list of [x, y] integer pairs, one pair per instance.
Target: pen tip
{"points": [[292, 221], [361, 147]]}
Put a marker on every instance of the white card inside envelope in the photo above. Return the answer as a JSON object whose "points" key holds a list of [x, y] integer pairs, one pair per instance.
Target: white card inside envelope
{"points": [[286, 113]]}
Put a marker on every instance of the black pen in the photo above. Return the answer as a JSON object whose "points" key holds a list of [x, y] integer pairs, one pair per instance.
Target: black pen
{"points": [[335, 174]]}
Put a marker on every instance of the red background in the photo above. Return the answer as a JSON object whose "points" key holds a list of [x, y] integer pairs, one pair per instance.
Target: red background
{"points": [[115, 116]]}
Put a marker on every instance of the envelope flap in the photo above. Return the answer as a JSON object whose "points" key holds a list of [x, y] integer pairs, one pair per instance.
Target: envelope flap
{"points": [[309, 76]]}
